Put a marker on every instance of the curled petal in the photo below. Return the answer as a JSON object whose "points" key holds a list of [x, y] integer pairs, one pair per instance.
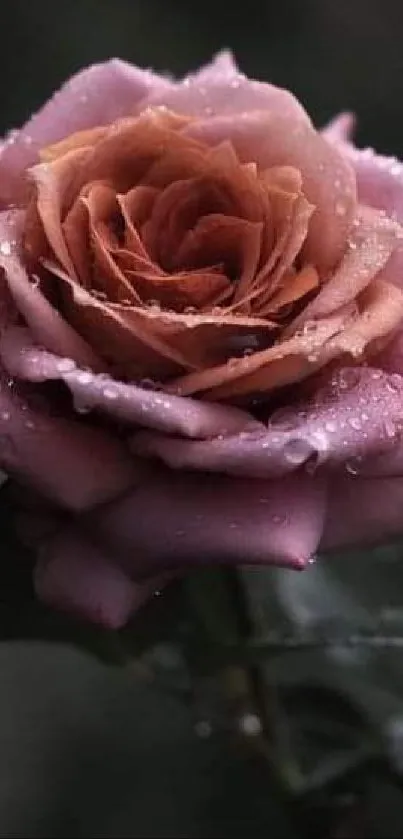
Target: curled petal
{"points": [[47, 326], [340, 128], [354, 422], [73, 464], [271, 138], [372, 242], [127, 403], [95, 96], [75, 576], [379, 178]]}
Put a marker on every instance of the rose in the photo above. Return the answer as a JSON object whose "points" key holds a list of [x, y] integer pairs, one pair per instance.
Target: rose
{"points": [[215, 285]]}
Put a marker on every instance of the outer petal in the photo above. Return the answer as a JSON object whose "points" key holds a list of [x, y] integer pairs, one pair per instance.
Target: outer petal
{"points": [[75, 576], [73, 464], [45, 322], [124, 402], [95, 96], [355, 422], [174, 521], [379, 177]]}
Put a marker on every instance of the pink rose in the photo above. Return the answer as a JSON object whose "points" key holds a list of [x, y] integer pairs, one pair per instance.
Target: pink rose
{"points": [[200, 332]]}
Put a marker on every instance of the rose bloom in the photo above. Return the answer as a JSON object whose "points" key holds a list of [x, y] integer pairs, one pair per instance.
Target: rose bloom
{"points": [[200, 344]]}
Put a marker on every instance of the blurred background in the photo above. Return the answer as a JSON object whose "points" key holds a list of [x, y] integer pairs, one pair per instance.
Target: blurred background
{"points": [[333, 55], [123, 735]]}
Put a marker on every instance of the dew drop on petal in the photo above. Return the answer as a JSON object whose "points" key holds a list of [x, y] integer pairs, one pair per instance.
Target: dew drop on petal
{"points": [[5, 248], [84, 378], [296, 451], [80, 406], [390, 428], [340, 208], [110, 393], [66, 365], [355, 423], [277, 519], [352, 466], [394, 383]]}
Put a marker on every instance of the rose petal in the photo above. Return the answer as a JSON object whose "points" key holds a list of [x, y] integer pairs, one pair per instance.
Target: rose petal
{"points": [[203, 520], [132, 404], [352, 330], [75, 576], [372, 242], [340, 128], [222, 66], [73, 464], [355, 422], [379, 177], [96, 96], [271, 138], [47, 326]]}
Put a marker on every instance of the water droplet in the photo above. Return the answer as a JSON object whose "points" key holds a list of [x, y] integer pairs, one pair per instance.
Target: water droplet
{"points": [[355, 423], [80, 406], [394, 383], [234, 525], [277, 519], [233, 362], [264, 500], [297, 451], [340, 208], [110, 393], [312, 560], [66, 365], [149, 384], [390, 428], [331, 426], [84, 378], [5, 415], [5, 248], [30, 424], [346, 379], [352, 466], [250, 725], [364, 417]]}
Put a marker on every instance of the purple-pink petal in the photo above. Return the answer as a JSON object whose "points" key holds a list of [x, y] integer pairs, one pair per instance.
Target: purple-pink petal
{"points": [[73, 464], [173, 521], [75, 576], [98, 95], [351, 421], [124, 402]]}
